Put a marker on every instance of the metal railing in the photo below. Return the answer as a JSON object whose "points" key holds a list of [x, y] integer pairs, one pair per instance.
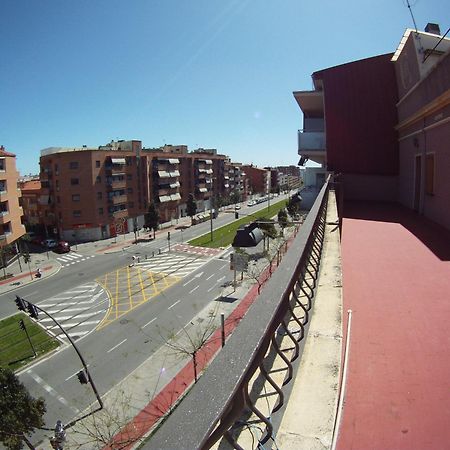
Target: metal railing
{"points": [[223, 394]]}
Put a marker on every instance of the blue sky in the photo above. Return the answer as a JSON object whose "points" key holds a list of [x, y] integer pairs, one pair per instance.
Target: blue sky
{"points": [[206, 73]]}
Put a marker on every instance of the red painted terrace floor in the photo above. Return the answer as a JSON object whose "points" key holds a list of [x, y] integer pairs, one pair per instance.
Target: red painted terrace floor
{"points": [[396, 280]]}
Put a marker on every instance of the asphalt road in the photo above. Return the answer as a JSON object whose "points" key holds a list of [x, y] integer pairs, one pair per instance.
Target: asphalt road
{"points": [[114, 351]]}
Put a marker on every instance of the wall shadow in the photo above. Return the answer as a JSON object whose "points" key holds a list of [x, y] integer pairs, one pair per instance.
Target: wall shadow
{"points": [[431, 234]]}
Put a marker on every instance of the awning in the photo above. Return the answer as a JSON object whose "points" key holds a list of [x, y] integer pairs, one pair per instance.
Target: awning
{"points": [[203, 190], [175, 185], [118, 160], [175, 196], [163, 174], [174, 161], [208, 161], [164, 198], [226, 185], [175, 173]]}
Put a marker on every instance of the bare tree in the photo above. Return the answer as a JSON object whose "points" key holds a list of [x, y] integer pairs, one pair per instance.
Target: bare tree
{"points": [[109, 427], [190, 342]]}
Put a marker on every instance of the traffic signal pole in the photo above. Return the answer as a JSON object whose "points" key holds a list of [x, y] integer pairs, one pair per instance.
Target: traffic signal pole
{"points": [[33, 310], [24, 328]]}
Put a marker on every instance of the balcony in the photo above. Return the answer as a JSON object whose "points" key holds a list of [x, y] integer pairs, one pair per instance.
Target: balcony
{"points": [[116, 184], [311, 141], [118, 199]]}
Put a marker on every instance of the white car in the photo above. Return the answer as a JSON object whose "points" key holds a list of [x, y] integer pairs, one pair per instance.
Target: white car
{"points": [[49, 243]]}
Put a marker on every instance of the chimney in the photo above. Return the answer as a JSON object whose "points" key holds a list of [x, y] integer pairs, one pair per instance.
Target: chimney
{"points": [[433, 28]]}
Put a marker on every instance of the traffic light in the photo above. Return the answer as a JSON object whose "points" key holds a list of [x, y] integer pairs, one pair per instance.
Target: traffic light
{"points": [[168, 235], [82, 378], [22, 324], [20, 302], [32, 311]]}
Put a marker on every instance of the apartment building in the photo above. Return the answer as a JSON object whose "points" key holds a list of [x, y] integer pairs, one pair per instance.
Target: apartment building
{"points": [[422, 69], [259, 179], [92, 193], [383, 124], [95, 193], [31, 192], [11, 227]]}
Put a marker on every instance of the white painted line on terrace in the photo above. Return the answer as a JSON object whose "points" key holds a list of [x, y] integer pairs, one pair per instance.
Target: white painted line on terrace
{"points": [[151, 321], [171, 306], [196, 287], [120, 343]]}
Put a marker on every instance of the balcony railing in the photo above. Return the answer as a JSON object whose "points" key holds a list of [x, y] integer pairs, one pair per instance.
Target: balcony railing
{"points": [[311, 140], [216, 404]]}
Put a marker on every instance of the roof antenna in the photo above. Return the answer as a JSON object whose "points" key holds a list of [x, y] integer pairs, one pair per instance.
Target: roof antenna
{"points": [[412, 15]]}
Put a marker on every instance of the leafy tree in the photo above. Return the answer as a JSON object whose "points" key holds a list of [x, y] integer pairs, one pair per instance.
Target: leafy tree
{"points": [[235, 196], [152, 218], [293, 206], [282, 218], [191, 206], [20, 412]]}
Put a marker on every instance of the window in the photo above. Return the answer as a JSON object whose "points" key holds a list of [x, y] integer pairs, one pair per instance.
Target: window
{"points": [[57, 185], [129, 177], [100, 211], [77, 213], [99, 195], [56, 169], [429, 174], [130, 190], [76, 197], [98, 179], [2, 164], [73, 165], [97, 163], [74, 181]]}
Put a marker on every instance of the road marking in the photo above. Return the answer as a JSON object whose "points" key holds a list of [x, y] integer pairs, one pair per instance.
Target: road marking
{"points": [[71, 376], [185, 284], [220, 279], [51, 391], [223, 267], [171, 306], [120, 343], [211, 288], [148, 323], [196, 287], [210, 276]]}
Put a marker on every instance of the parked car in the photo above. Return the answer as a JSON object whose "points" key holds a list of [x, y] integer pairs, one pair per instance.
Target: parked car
{"points": [[62, 247], [237, 206], [49, 243]]}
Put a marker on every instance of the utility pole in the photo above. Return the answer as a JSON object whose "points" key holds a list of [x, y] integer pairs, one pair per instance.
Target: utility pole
{"points": [[24, 328]]}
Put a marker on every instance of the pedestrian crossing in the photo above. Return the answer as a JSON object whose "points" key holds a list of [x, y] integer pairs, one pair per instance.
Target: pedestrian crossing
{"points": [[172, 264], [78, 311], [72, 258]]}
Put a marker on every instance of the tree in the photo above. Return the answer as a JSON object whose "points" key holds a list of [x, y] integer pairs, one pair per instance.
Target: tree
{"points": [[21, 413], [190, 342], [282, 218], [235, 196], [152, 218], [293, 206], [191, 206]]}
